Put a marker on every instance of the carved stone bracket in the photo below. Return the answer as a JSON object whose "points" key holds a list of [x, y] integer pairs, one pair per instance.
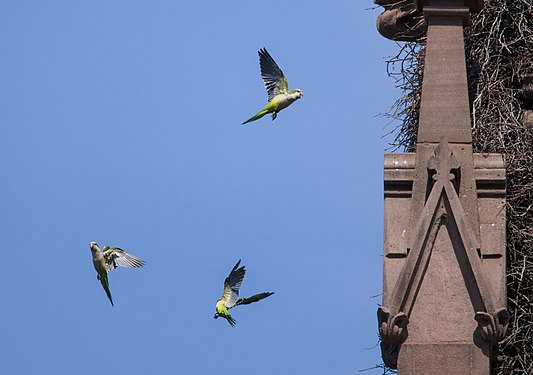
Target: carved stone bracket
{"points": [[493, 326], [393, 332], [400, 20]]}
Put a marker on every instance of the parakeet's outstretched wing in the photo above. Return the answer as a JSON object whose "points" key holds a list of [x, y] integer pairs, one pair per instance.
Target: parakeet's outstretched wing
{"points": [[254, 298], [275, 81], [116, 257], [231, 286]]}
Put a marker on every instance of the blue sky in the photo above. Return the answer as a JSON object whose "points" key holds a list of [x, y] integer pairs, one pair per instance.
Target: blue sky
{"points": [[121, 124]]}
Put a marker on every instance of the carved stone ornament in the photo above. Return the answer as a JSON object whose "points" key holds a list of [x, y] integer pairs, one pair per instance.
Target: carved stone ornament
{"points": [[393, 332], [442, 206], [400, 20], [493, 326]]}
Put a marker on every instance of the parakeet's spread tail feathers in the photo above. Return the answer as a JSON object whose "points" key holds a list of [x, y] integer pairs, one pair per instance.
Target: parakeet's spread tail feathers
{"points": [[105, 284], [230, 320], [254, 298], [256, 117]]}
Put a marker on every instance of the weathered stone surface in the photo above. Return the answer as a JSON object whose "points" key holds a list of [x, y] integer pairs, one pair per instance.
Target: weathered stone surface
{"points": [[440, 302], [444, 108], [490, 182], [472, 5], [443, 359], [399, 173]]}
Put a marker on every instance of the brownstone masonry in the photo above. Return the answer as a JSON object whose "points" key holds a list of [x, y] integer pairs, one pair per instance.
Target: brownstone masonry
{"points": [[444, 291]]}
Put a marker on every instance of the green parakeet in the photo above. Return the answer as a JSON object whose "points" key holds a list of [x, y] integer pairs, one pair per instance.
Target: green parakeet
{"points": [[109, 258], [230, 296], [279, 95]]}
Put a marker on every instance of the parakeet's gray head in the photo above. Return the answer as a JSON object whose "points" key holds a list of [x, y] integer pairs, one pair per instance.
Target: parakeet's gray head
{"points": [[94, 247], [295, 94]]}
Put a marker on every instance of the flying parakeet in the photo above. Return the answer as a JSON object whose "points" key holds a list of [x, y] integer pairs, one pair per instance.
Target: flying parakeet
{"points": [[230, 296], [108, 259], [279, 95]]}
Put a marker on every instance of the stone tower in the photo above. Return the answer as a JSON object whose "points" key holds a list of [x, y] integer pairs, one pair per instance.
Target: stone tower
{"points": [[444, 291]]}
